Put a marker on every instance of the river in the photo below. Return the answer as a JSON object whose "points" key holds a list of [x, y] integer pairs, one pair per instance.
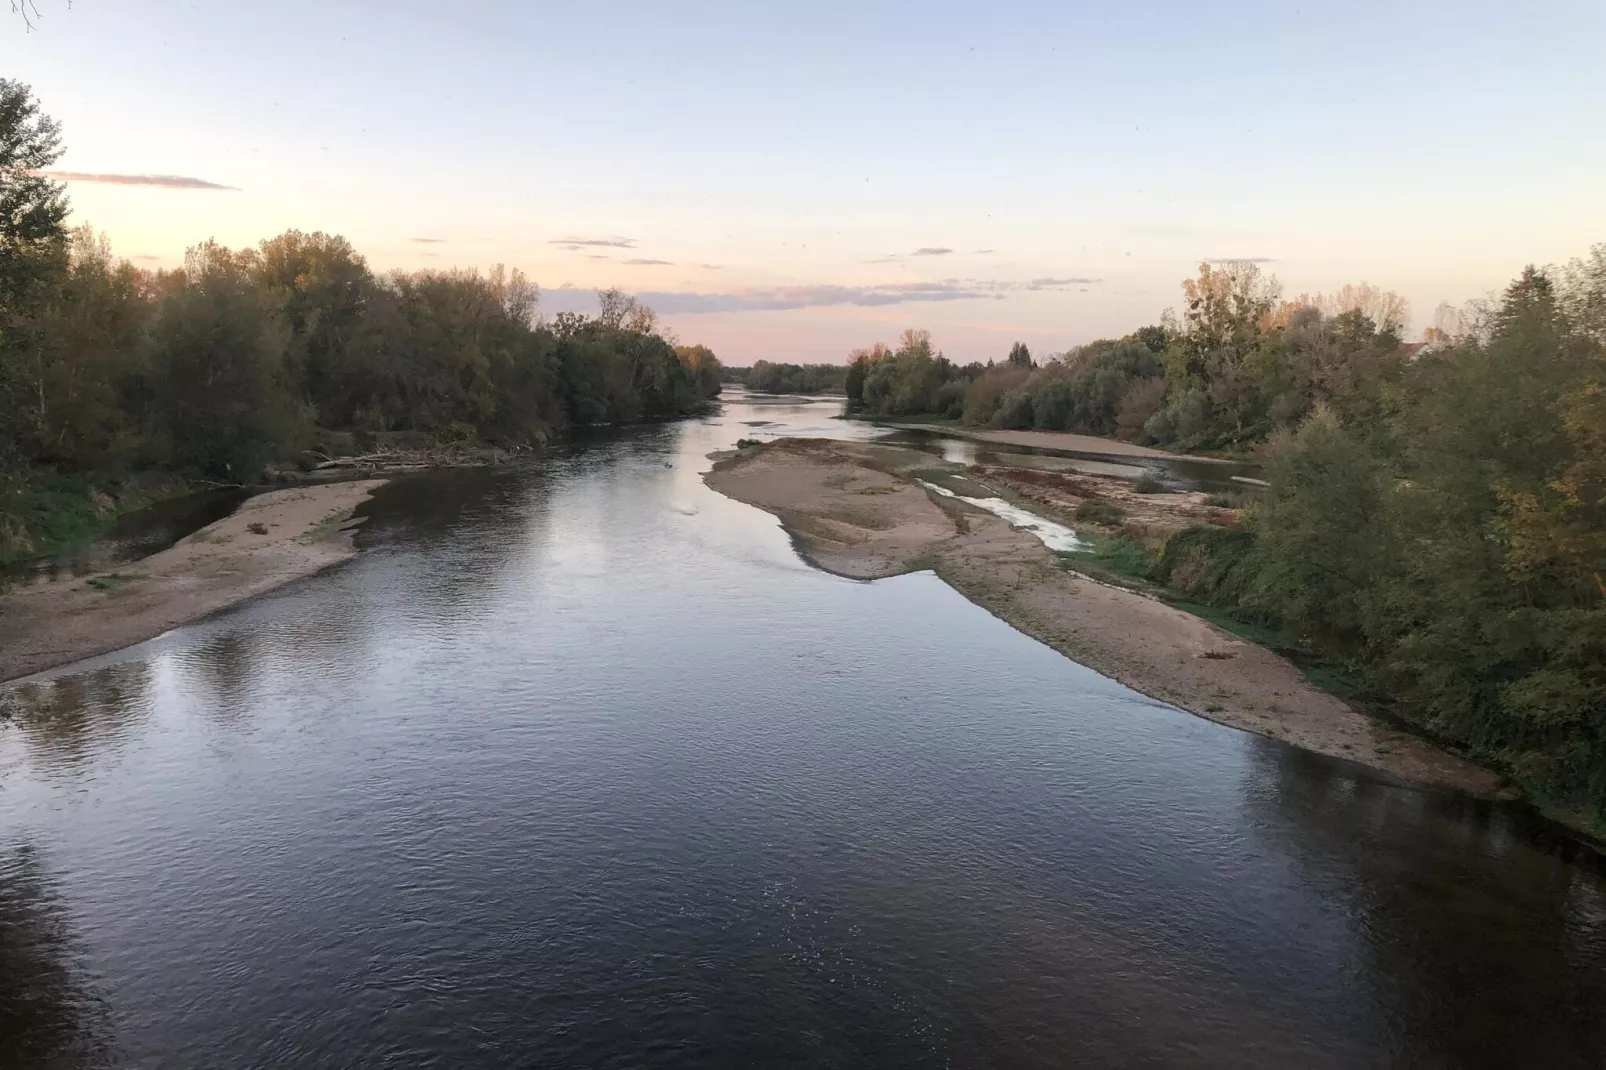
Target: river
{"points": [[579, 765]]}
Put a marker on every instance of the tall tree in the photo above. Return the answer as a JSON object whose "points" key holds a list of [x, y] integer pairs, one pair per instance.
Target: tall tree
{"points": [[33, 253]]}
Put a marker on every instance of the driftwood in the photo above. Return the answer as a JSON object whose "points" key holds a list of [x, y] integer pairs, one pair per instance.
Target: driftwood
{"points": [[413, 459]]}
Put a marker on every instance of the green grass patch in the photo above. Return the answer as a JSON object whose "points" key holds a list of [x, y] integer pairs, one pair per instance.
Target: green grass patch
{"points": [[1110, 557], [326, 527], [46, 514]]}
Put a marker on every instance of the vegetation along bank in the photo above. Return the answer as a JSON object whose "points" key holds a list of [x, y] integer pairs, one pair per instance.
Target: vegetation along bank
{"points": [[114, 378]]}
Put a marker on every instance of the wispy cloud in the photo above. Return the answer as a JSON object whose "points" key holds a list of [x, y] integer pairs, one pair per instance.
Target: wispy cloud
{"points": [[160, 181], [926, 250], [1240, 260], [1057, 284], [712, 267], [428, 241], [641, 262], [784, 298], [584, 243], [147, 256], [984, 252]]}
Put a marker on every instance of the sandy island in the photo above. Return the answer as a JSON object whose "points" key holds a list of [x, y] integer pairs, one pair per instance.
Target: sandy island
{"points": [[1054, 440], [855, 509], [270, 540]]}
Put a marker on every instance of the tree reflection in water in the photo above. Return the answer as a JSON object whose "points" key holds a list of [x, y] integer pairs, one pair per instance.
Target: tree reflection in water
{"points": [[1494, 920], [48, 1018]]}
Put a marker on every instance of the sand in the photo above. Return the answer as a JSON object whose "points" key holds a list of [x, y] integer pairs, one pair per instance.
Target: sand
{"points": [[1055, 440], [855, 509], [270, 540]]}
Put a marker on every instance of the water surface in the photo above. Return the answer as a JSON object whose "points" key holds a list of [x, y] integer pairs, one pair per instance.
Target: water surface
{"points": [[579, 765]]}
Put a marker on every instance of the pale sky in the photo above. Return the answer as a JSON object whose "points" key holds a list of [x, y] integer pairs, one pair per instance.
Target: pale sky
{"points": [[791, 181]]}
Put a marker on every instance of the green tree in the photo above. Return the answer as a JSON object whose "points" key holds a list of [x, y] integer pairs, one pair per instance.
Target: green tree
{"points": [[33, 208], [321, 287], [1019, 356], [1317, 532], [219, 347], [33, 258]]}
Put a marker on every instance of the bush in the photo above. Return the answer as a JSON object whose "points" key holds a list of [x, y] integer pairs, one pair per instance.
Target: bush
{"points": [[1207, 564], [1149, 483], [1096, 512], [456, 433]]}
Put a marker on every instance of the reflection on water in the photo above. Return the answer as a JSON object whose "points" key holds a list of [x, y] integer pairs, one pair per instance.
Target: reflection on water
{"points": [[578, 764], [47, 1019], [1451, 919]]}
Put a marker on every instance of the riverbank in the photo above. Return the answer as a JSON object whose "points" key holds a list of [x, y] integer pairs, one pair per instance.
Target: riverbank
{"points": [[270, 540], [1050, 440], [859, 510]]}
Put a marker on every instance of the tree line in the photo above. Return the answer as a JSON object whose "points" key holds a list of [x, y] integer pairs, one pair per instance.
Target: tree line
{"points": [[766, 377], [1436, 519], [242, 357]]}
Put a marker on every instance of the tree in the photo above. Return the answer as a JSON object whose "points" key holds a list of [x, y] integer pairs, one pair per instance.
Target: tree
{"points": [[33, 208], [321, 287], [1314, 550], [1583, 293], [703, 366], [220, 345], [1020, 356], [1385, 308], [33, 254]]}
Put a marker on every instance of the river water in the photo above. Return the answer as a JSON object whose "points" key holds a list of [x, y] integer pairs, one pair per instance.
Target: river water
{"points": [[579, 765]]}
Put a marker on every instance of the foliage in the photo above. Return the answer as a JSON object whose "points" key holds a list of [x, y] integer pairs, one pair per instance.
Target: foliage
{"points": [[703, 367], [1098, 512], [238, 360], [767, 378], [1448, 539], [1149, 483]]}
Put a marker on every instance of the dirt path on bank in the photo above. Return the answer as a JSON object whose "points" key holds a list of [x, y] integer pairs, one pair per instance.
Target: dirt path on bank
{"points": [[270, 540], [854, 509]]}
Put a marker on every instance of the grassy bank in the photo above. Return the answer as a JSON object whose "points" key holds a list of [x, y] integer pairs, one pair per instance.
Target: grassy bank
{"points": [[44, 513]]}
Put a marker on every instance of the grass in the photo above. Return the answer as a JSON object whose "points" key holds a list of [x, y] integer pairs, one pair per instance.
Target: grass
{"points": [[1232, 499], [112, 580], [48, 513], [1114, 558], [325, 527]]}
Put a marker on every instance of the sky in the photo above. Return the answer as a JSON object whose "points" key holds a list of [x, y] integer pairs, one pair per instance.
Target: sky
{"points": [[790, 182]]}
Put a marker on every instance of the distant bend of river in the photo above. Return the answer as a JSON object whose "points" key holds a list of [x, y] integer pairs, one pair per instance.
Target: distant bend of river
{"points": [[579, 765]]}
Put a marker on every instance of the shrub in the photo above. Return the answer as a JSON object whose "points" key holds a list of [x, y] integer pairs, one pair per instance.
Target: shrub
{"points": [[1149, 483], [1207, 564], [1096, 512]]}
